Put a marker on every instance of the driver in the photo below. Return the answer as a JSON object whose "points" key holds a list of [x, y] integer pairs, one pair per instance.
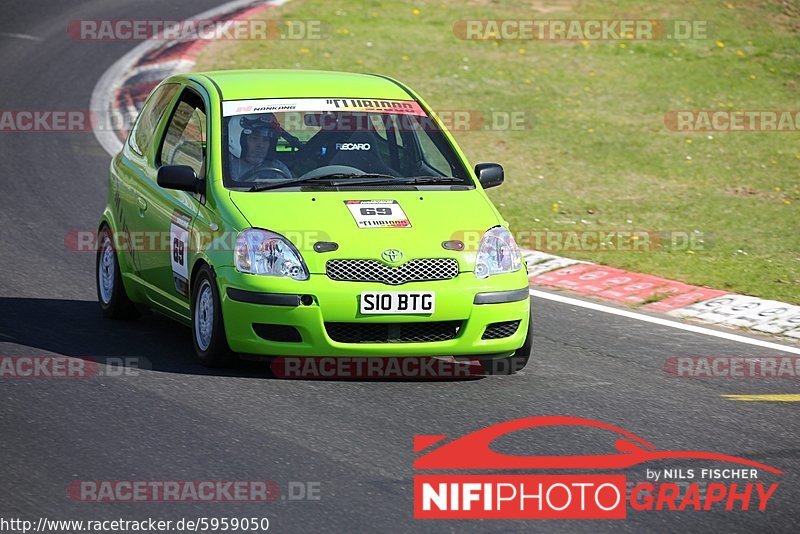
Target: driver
{"points": [[251, 143]]}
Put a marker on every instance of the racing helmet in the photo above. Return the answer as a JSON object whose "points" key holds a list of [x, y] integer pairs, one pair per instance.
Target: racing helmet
{"points": [[239, 128]]}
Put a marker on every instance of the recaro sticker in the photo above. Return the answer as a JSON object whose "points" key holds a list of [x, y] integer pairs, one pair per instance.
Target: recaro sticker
{"points": [[179, 249], [378, 214]]}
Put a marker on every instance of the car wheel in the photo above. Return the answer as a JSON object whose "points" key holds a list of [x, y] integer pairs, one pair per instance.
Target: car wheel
{"points": [[111, 295], [514, 363], [208, 330]]}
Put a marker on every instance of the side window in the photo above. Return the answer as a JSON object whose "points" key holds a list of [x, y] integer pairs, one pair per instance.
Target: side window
{"points": [[142, 133], [431, 154], [185, 138]]}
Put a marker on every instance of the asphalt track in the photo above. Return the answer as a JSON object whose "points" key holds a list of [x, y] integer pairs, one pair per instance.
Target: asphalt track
{"points": [[178, 421]]}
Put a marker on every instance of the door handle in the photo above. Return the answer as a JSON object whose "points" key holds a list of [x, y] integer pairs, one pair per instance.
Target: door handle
{"points": [[142, 206]]}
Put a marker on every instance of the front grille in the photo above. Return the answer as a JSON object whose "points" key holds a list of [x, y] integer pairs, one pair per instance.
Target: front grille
{"points": [[393, 332], [423, 270], [500, 330]]}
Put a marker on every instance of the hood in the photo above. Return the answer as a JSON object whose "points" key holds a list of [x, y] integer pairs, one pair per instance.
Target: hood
{"points": [[353, 220]]}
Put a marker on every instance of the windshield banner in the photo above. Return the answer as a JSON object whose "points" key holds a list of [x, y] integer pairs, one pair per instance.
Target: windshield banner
{"points": [[272, 105]]}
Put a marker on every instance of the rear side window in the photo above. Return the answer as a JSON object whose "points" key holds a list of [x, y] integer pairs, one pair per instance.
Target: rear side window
{"points": [[145, 127], [185, 139]]}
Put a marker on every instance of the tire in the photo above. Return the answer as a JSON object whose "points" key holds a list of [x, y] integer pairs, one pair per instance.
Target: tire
{"points": [[111, 295], [208, 330], [514, 363]]}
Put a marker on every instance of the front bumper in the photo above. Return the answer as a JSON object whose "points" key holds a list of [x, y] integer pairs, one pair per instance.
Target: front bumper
{"points": [[306, 306]]}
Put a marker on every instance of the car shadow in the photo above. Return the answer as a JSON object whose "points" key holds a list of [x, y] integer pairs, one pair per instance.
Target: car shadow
{"points": [[77, 328]]}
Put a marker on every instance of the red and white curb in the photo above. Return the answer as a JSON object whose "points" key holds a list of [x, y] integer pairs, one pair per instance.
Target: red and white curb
{"points": [[656, 294], [122, 89]]}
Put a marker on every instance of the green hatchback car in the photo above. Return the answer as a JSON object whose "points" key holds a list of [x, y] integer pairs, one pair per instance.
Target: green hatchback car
{"points": [[310, 213]]}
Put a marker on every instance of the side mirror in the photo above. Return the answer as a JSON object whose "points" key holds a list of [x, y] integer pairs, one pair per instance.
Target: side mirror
{"points": [[489, 174], [180, 177]]}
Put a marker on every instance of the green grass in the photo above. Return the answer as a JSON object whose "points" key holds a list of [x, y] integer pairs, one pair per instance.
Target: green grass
{"points": [[597, 146]]}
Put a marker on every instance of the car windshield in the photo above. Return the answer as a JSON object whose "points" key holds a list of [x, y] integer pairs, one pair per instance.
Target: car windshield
{"points": [[285, 144]]}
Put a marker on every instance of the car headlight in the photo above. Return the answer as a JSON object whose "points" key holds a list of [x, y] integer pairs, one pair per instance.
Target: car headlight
{"points": [[497, 254], [269, 254]]}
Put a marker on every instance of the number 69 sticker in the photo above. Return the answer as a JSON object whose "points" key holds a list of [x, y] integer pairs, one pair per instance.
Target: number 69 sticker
{"points": [[179, 249], [378, 214]]}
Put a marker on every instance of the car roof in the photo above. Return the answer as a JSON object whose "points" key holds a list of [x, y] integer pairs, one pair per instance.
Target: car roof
{"points": [[254, 84]]}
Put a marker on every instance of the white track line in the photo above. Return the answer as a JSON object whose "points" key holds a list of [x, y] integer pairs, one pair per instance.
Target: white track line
{"points": [[24, 36], [663, 322]]}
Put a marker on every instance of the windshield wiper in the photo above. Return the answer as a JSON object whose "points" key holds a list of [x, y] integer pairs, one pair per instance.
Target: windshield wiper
{"points": [[433, 180], [333, 176], [372, 179], [354, 179], [267, 186]]}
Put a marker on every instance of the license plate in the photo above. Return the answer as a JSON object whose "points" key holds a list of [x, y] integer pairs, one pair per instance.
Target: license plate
{"points": [[397, 302]]}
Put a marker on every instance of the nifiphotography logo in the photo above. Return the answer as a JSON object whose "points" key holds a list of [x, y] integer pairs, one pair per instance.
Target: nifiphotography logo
{"points": [[489, 491]]}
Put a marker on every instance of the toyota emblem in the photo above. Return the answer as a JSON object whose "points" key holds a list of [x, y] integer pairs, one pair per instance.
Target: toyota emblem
{"points": [[392, 255]]}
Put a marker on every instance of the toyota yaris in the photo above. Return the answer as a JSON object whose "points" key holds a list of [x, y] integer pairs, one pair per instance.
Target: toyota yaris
{"points": [[310, 214]]}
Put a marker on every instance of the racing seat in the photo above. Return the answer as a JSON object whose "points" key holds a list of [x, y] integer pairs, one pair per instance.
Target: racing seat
{"points": [[360, 150]]}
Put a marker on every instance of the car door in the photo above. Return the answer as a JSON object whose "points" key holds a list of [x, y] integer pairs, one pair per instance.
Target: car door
{"points": [[133, 169], [170, 213]]}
